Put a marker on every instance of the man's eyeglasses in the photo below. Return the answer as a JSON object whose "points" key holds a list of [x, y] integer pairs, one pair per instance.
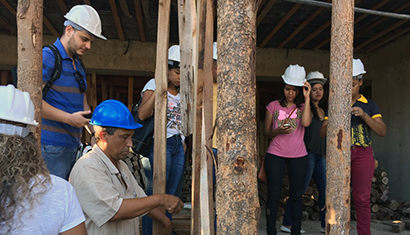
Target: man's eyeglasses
{"points": [[80, 81]]}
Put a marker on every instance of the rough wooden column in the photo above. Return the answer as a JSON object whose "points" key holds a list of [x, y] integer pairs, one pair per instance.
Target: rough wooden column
{"points": [[237, 203], [161, 83], [338, 132], [29, 53]]}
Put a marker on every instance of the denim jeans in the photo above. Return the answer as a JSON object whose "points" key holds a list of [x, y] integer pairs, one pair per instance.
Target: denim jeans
{"points": [[317, 170], [275, 169], [174, 169], [59, 159]]}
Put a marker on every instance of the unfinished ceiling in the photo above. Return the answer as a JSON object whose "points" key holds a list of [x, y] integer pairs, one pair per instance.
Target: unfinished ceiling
{"points": [[280, 24]]}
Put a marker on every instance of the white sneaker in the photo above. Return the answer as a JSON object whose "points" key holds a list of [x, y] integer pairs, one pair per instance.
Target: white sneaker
{"points": [[322, 230], [285, 229]]}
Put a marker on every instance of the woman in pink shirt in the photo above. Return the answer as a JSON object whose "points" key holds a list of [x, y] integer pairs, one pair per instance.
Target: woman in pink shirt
{"points": [[285, 124]]}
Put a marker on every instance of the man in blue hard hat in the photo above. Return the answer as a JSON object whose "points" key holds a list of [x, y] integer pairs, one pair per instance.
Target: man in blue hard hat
{"points": [[108, 193]]}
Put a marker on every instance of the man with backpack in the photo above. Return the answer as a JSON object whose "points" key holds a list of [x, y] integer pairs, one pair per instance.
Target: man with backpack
{"points": [[65, 107]]}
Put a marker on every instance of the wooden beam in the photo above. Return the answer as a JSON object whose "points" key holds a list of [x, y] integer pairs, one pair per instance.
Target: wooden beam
{"points": [[160, 114], [370, 40], [317, 32], [130, 92], [145, 8], [117, 20], [302, 26], [7, 25], [104, 92], [62, 6], [140, 20], [124, 7], [338, 130], [9, 7], [4, 75], [264, 12], [380, 21], [391, 37], [280, 24], [51, 27], [357, 20]]}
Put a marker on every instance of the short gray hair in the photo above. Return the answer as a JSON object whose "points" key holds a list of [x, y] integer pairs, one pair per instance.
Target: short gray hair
{"points": [[98, 129]]}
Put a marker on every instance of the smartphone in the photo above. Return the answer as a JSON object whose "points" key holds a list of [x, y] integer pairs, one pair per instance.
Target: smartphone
{"points": [[286, 125], [88, 115]]}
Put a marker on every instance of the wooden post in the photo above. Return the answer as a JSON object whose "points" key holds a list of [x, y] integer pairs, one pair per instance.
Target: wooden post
{"points": [[161, 83], [94, 89], [338, 132], [237, 203], [104, 92], [130, 92], [202, 142], [29, 53], [187, 36], [3, 77]]}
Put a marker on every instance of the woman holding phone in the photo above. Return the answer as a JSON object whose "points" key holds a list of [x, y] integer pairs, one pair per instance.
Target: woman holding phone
{"points": [[285, 124]]}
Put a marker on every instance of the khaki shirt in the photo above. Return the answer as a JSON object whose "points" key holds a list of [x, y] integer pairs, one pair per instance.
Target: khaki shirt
{"points": [[97, 183]]}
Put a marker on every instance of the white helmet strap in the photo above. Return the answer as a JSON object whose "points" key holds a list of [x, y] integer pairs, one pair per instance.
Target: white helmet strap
{"points": [[9, 129]]}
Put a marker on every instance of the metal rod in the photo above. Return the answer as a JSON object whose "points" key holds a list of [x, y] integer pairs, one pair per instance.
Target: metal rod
{"points": [[356, 9]]}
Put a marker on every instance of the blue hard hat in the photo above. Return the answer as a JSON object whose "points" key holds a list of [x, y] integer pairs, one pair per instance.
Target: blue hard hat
{"points": [[113, 113]]}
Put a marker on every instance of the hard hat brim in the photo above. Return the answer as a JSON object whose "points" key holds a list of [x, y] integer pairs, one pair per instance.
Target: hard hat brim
{"points": [[33, 123], [292, 83], [321, 81], [131, 127]]}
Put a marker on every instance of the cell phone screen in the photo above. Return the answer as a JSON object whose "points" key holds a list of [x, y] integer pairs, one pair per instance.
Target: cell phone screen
{"points": [[88, 115]]}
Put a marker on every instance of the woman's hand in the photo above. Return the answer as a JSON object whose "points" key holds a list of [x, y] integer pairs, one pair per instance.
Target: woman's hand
{"points": [[307, 88], [284, 130]]}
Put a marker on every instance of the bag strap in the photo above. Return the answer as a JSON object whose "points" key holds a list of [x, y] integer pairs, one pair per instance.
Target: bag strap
{"points": [[287, 119], [56, 71]]}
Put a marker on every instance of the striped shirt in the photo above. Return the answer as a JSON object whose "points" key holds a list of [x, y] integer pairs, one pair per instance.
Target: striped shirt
{"points": [[64, 95]]}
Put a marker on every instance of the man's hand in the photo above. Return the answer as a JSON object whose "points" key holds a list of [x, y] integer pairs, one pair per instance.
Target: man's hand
{"points": [[172, 204], [78, 120]]}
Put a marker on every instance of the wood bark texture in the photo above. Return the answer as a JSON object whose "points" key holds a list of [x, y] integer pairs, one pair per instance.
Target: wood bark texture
{"points": [[338, 132], [161, 97], [237, 203], [29, 54]]}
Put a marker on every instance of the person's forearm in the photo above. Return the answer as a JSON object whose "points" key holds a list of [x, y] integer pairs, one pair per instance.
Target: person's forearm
{"points": [[306, 114], [378, 127], [131, 208], [146, 108], [269, 134], [158, 215], [52, 113]]}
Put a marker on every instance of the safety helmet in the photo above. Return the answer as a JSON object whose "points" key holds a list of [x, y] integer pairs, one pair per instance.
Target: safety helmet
{"points": [[358, 68], [294, 75], [174, 56], [316, 77], [16, 107], [214, 52], [113, 113], [86, 17]]}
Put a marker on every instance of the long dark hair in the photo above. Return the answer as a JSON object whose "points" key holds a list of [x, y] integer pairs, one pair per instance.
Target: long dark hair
{"points": [[298, 99]]}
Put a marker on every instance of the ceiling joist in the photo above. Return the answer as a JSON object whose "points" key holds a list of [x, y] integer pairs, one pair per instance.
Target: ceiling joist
{"points": [[264, 12], [140, 21], [117, 21]]}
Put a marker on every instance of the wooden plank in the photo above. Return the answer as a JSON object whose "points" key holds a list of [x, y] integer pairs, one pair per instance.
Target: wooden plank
{"points": [[130, 92], [161, 83], [62, 6], [93, 101], [388, 39], [187, 35], [124, 8], [338, 130], [302, 26], [8, 7], [264, 12], [117, 20], [104, 92], [357, 20], [4, 75], [280, 24], [140, 21]]}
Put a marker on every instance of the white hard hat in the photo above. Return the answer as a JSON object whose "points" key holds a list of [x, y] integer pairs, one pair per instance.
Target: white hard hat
{"points": [[358, 67], [16, 107], [294, 75], [174, 56], [214, 52], [316, 77], [86, 17]]}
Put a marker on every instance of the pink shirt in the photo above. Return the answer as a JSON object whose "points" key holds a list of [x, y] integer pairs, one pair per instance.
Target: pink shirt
{"points": [[287, 145]]}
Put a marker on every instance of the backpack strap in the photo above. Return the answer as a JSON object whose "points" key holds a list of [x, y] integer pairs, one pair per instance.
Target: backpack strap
{"points": [[56, 71]]}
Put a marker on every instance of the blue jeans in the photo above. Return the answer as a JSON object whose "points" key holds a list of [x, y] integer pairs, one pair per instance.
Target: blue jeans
{"points": [[317, 170], [59, 159], [275, 170], [174, 169]]}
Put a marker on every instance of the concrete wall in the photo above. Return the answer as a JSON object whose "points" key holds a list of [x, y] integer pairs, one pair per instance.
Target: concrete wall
{"points": [[389, 68]]}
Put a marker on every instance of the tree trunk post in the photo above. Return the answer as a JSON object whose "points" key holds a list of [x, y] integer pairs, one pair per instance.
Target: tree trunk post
{"points": [[161, 97], [237, 203], [29, 54], [338, 132]]}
